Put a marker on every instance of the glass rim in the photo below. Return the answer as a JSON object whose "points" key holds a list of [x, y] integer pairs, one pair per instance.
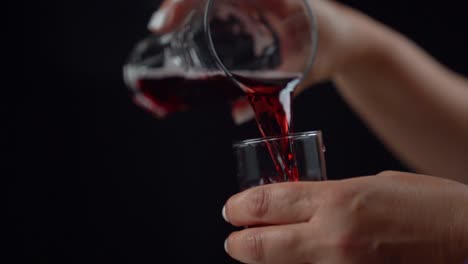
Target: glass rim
{"points": [[247, 142]]}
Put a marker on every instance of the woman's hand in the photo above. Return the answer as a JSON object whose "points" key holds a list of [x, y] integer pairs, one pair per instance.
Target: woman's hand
{"points": [[392, 84], [390, 218], [336, 38], [337, 43]]}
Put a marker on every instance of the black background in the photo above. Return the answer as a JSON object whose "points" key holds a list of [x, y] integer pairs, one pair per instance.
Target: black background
{"points": [[99, 180]]}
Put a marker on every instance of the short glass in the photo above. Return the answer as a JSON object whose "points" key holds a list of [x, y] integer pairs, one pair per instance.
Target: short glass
{"points": [[254, 164]]}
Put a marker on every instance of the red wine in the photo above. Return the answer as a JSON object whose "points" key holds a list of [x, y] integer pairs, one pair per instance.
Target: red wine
{"points": [[165, 94], [271, 100], [270, 97]]}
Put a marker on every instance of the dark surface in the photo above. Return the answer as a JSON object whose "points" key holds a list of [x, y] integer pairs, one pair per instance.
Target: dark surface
{"points": [[99, 180]]}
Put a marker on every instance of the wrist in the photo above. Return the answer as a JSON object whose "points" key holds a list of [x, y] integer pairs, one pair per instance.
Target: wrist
{"points": [[364, 43]]}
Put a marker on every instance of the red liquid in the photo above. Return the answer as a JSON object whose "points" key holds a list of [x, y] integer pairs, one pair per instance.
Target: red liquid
{"points": [[271, 102], [169, 94]]}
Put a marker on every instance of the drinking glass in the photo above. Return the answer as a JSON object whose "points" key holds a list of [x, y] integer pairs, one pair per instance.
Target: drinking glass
{"points": [[218, 49], [255, 165]]}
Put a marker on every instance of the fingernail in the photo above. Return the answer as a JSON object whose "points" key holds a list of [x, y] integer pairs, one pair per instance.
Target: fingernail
{"points": [[158, 19], [224, 214], [225, 246]]}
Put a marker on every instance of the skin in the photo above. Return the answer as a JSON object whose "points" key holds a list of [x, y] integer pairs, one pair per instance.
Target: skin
{"points": [[392, 218], [417, 107]]}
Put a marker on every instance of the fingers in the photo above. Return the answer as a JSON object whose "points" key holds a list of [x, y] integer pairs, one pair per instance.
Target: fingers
{"points": [[170, 15], [282, 244], [274, 204]]}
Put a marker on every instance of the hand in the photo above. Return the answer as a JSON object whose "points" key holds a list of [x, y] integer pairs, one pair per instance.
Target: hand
{"points": [[337, 41], [390, 218]]}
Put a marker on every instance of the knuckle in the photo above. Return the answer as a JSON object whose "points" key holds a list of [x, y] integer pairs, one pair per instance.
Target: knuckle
{"points": [[290, 240], [354, 203], [254, 245], [346, 243], [352, 239], [340, 196], [259, 202]]}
